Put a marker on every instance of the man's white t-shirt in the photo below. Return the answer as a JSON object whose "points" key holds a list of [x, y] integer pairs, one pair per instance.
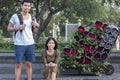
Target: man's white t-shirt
{"points": [[26, 36]]}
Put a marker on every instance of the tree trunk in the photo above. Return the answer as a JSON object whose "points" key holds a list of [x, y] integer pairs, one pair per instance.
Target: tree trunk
{"points": [[43, 27]]}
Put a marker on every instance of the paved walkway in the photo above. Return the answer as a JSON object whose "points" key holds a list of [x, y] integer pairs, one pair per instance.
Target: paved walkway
{"points": [[7, 67], [114, 76]]}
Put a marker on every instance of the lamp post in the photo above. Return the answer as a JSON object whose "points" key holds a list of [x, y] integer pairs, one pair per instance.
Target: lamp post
{"points": [[54, 31], [79, 22], [66, 31], [58, 31]]}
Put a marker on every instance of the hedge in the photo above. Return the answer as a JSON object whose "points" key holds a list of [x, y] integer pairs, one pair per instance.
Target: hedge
{"points": [[9, 46]]}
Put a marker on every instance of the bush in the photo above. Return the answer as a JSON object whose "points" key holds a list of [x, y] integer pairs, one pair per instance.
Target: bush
{"points": [[9, 46]]}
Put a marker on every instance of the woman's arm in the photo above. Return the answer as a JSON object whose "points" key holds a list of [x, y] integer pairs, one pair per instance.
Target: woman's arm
{"points": [[44, 59], [56, 60], [57, 57]]}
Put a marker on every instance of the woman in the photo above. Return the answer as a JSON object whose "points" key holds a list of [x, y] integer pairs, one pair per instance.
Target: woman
{"points": [[51, 58]]}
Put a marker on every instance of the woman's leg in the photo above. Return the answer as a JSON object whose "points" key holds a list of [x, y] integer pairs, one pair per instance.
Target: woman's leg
{"points": [[18, 68], [53, 76], [49, 75]]}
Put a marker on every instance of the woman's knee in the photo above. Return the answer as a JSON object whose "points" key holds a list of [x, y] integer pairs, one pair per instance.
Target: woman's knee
{"points": [[53, 76]]}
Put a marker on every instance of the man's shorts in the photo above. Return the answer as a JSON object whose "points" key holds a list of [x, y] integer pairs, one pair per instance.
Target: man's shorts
{"points": [[24, 53]]}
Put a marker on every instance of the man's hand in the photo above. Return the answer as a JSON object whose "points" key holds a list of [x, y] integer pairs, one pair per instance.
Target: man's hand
{"points": [[34, 24], [21, 27]]}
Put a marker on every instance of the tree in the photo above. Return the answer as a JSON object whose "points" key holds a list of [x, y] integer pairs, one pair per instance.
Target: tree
{"points": [[6, 10], [111, 2], [50, 8], [45, 9]]}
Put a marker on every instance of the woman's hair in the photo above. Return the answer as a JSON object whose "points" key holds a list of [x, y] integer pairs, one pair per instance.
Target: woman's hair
{"points": [[29, 1], [51, 38]]}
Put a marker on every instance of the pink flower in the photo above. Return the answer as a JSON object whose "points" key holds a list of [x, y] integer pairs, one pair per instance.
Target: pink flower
{"points": [[98, 24], [81, 29]]}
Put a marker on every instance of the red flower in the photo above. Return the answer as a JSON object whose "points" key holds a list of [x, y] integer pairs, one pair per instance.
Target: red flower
{"points": [[99, 49], [98, 24], [92, 48], [80, 60], [73, 52], [92, 36], [97, 55], [86, 47], [76, 38], [86, 33], [81, 42], [67, 50], [87, 61], [89, 55], [104, 56], [104, 26], [98, 39], [81, 29]]}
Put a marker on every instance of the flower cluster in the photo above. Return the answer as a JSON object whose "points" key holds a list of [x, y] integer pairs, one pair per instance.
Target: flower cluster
{"points": [[89, 44]]}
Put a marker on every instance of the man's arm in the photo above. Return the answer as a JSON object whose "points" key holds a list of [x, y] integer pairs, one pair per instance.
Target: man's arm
{"points": [[35, 26], [11, 27]]}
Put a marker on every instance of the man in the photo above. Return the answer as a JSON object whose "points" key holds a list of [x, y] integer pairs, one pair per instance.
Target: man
{"points": [[23, 41]]}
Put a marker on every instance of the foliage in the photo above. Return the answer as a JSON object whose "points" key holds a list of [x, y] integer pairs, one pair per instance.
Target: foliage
{"points": [[9, 46], [80, 51], [6, 46], [86, 10], [1, 34]]}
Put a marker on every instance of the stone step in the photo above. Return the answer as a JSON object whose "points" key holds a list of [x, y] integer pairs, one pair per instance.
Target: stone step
{"points": [[9, 57], [9, 68], [64, 75], [114, 57], [38, 69], [23, 77], [7, 65]]}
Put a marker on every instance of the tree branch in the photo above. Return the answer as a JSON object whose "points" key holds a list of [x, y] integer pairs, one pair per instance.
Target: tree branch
{"points": [[61, 8], [43, 9], [43, 27]]}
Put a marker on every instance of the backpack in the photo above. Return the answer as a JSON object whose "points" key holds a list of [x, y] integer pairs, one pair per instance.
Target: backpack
{"points": [[20, 17]]}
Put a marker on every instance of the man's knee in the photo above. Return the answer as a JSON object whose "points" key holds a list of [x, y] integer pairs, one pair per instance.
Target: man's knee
{"points": [[18, 65], [28, 64]]}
